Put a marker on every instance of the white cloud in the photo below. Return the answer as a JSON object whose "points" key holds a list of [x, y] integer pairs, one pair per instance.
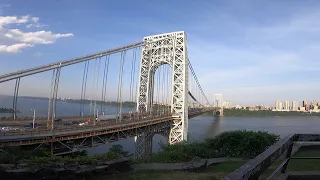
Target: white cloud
{"points": [[35, 25], [6, 20], [38, 37], [35, 19], [14, 48], [13, 40]]}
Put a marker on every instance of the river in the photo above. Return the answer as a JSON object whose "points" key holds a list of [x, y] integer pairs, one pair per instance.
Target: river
{"points": [[200, 127]]}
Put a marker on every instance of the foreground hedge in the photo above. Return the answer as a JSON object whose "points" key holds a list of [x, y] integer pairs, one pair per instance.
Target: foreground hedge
{"points": [[241, 144], [14, 155]]}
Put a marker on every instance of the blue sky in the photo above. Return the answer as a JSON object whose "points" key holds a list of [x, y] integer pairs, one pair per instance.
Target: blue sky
{"points": [[253, 52]]}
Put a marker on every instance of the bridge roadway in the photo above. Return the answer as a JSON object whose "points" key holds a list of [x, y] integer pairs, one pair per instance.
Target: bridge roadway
{"points": [[126, 128]]}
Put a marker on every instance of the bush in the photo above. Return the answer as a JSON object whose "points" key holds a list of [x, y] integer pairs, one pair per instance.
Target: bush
{"points": [[243, 144], [118, 149], [13, 155]]}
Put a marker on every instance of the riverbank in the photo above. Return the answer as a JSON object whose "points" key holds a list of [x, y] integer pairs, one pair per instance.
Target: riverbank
{"points": [[6, 110], [184, 160], [219, 170], [263, 113], [193, 156]]}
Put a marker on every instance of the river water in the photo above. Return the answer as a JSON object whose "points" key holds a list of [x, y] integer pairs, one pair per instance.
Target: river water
{"points": [[200, 127]]}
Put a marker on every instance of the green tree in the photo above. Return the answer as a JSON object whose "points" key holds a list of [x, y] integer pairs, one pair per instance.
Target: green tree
{"points": [[118, 149]]}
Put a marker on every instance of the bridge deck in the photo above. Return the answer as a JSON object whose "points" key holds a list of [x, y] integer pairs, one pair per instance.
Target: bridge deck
{"points": [[22, 138]]}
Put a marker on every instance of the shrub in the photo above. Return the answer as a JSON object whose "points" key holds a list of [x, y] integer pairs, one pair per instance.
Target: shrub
{"points": [[41, 156], [242, 143], [118, 149]]}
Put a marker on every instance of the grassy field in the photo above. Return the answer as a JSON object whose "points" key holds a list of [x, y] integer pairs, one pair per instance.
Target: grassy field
{"points": [[217, 171], [213, 172]]}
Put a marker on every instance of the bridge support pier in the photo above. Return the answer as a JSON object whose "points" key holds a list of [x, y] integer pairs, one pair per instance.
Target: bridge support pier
{"points": [[143, 145]]}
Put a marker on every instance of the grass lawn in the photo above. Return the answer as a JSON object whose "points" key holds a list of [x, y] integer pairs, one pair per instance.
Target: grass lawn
{"points": [[299, 164], [217, 171], [213, 172]]}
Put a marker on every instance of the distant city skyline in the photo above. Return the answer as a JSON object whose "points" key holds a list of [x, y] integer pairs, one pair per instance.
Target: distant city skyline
{"points": [[252, 52]]}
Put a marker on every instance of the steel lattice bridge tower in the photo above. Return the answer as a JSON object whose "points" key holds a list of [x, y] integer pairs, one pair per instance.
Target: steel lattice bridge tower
{"points": [[169, 49], [153, 113]]}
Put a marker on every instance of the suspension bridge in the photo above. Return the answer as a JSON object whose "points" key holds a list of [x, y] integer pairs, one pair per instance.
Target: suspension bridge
{"points": [[163, 87]]}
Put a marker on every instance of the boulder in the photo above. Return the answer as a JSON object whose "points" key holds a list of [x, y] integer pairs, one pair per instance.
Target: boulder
{"points": [[22, 165], [46, 173], [101, 169], [19, 173], [196, 164], [84, 171], [121, 165], [7, 166], [72, 167]]}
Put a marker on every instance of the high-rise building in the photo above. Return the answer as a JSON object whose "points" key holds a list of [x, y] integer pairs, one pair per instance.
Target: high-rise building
{"points": [[227, 104], [286, 106], [218, 100], [307, 107], [301, 108], [304, 103], [294, 106], [279, 106]]}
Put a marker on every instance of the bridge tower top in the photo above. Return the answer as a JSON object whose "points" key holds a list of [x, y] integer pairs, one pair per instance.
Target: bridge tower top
{"points": [[164, 36]]}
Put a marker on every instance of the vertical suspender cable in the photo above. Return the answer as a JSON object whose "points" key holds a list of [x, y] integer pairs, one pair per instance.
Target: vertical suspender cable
{"points": [[96, 93], [82, 87], [104, 83], [85, 87], [123, 54], [50, 98], [169, 89], [132, 77], [139, 49], [93, 82], [55, 92]]}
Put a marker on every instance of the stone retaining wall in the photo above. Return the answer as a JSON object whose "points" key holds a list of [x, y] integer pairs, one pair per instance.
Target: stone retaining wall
{"points": [[62, 171]]}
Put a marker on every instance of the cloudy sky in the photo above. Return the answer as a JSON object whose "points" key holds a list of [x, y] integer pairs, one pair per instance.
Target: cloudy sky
{"points": [[253, 52]]}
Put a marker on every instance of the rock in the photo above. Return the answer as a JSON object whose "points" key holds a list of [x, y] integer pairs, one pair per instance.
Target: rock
{"points": [[159, 166], [72, 167], [196, 165], [20, 173], [84, 171], [23, 165], [58, 164], [220, 160], [101, 169], [6, 166], [100, 163], [46, 173], [67, 177], [121, 165], [4, 174]]}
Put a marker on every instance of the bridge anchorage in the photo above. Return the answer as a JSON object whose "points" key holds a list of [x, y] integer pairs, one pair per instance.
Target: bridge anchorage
{"points": [[181, 99]]}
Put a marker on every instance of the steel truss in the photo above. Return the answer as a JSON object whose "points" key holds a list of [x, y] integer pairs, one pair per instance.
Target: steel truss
{"points": [[143, 141], [74, 145], [169, 49]]}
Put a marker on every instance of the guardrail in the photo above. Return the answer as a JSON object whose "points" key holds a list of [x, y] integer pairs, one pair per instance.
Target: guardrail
{"points": [[255, 167], [127, 120]]}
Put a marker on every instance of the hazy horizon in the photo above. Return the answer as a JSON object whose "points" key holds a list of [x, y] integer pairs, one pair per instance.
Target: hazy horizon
{"points": [[252, 52]]}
